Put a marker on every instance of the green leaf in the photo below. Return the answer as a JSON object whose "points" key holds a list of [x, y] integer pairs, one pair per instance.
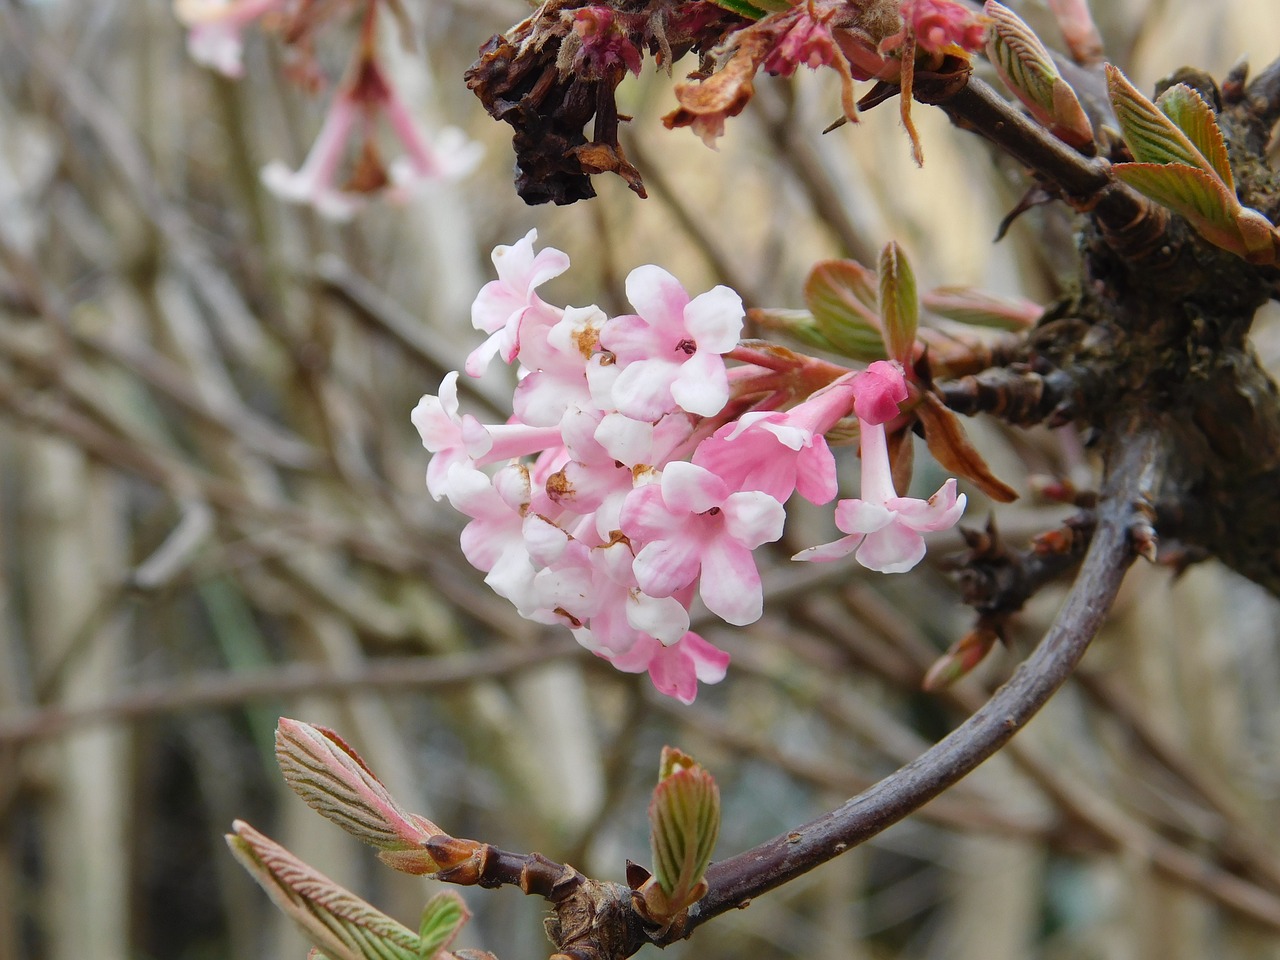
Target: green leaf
{"points": [[339, 923], [1152, 137], [841, 296], [899, 304], [744, 9], [1191, 192], [684, 820], [334, 781], [442, 918], [1189, 112], [978, 308], [1026, 66], [1023, 62]]}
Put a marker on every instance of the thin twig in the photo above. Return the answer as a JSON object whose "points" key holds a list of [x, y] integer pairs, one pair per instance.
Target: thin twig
{"points": [[222, 690]]}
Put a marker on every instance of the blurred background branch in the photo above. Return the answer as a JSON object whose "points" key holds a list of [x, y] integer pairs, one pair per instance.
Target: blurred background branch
{"points": [[212, 512]]}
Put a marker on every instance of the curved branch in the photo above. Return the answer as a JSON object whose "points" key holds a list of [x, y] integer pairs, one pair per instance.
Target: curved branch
{"points": [[737, 880]]}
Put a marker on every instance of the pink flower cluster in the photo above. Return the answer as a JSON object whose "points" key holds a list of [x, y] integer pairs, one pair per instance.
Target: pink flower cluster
{"points": [[639, 471], [344, 166]]}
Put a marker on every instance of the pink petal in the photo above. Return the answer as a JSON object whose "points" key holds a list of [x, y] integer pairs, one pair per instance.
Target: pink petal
{"points": [[714, 319], [752, 518], [701, 385], [659, 298], [730, 582], [688, 488], [836, 550], [894, 549], [862, 516], [664, 566]]}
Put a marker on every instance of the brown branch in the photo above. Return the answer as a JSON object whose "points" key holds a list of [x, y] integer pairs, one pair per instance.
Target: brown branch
{"points": [[1134, 226], [224, 690], [735, 881]]}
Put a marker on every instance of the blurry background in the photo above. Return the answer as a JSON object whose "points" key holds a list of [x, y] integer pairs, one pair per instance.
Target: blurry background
{"points": [[212, 513]]}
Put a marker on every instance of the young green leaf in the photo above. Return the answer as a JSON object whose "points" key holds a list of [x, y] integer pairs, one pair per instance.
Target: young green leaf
{"points": [[1198, 196], [1189, 112], [684, 821], [981, 309], [841, 296], [442, 918], [752, 11], [339, 923], [332, 778], [1027, 68], [899, 304], [1152, 137]]}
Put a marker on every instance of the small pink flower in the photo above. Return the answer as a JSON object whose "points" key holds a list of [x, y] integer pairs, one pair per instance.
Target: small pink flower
{"points": [[671, 351], [558, 363], [808, 42], [504, 305], [778, 452], [441, 427], [883, 528], [695, 526], [215, 27], [363, 96], [674, 670], [878, 390], [938, 25]]}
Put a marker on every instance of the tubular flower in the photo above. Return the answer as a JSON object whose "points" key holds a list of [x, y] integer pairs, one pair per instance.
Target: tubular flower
{"points": [[883, 528]]}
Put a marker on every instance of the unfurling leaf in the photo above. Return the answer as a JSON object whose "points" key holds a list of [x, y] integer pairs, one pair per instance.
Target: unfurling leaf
{"points": [[1152, 136], [842, 297], [330, 776], [1027, 68], [950, 446], [442, 918], [1208, 206], [899, 305], [684, 820], [1182, 164], [978, 308], [339, 923], [1189, 112]]}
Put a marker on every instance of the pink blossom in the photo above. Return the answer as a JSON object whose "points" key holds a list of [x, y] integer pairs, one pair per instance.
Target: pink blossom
{"points": [[807, 41], [504, 305], [363, 96], [883, 528], [558, 363], [674, 670], [441, 427], [695, 526], [315, 182], [671, 352], [780, 452], [450, 155], [493, 541], [938, 25], [878, 390], [215, 27]]}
